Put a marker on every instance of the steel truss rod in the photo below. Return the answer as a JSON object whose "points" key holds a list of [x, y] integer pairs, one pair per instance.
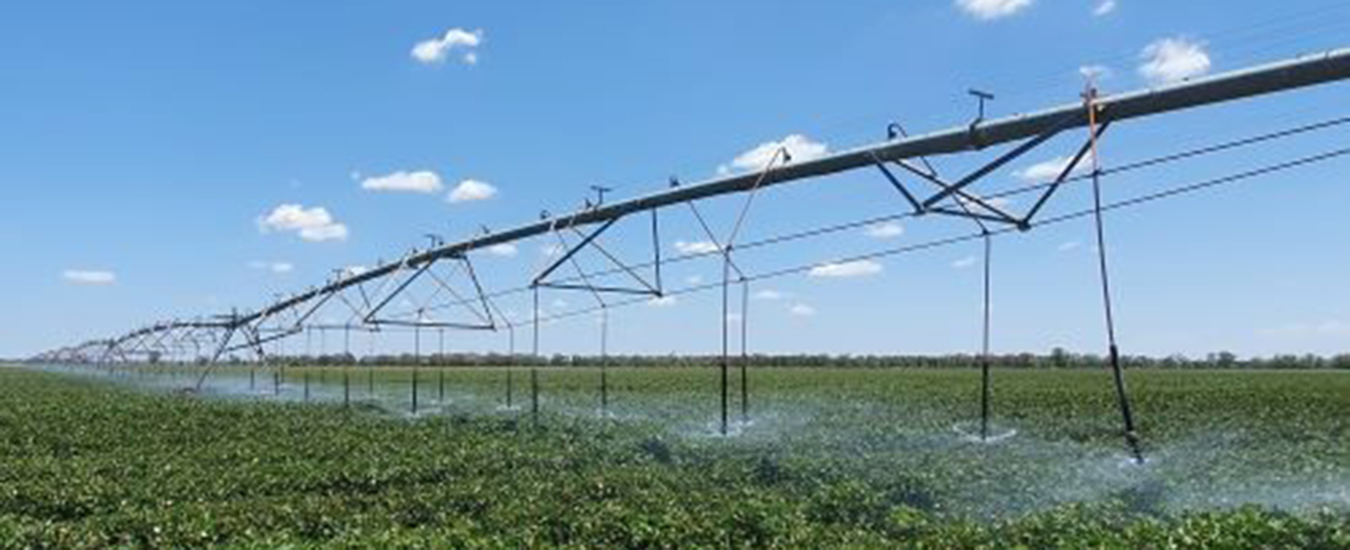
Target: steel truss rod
{"points": [[487, 320], [593, 240], [712, 238], [1057, 126], [930, 174], [1285, 75], [725, 247], [568, 253], [993, 232], [650, 289], [431, 324], [370, 315], [1012, 192], [604, 328]]}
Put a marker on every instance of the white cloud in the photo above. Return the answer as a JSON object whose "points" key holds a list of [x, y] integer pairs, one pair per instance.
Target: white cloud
{"points": [[312, 224], [860, 268], [437, 50], [768, 295], [1047, 171], [992, 9], [422, 181], [1096, 72], [964, 262], [887, 230], [1172, 60], [472, 190], [694, 279], [800, 147], [1069, 245], [505, 250], [802, 310], [550, 250], [274, 267], [696, 247], [330, 232], [664, 301], [559, 303], [89, 277], [1104, 7], [354, 270]]}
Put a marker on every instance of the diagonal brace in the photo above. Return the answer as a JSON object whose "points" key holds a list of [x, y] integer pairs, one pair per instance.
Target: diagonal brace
{"points": [[1004, 159], [1083, 151]]}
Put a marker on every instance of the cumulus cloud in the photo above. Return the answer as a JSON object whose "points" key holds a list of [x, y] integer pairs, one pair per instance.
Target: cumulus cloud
{"points": [[437, 50], [694, 279], [1096, 72], [1172, 60], [1047, 171], [312, 224], [802, 310], [505, 250], [987, 10], [696, 247], [964, 262], [472, 190], [768, 294], [89, 277], [1104, 7], [887, 230], [859, 268], [330, 232], [664, 301], [800, 147], [422, 181], [275, 267]]}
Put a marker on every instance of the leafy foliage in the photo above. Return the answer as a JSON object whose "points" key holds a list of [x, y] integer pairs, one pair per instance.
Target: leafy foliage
{"points": [[835, 459]]}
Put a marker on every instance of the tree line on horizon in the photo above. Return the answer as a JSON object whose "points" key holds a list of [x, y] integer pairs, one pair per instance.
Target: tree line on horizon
{"points": [[1058, 358]]}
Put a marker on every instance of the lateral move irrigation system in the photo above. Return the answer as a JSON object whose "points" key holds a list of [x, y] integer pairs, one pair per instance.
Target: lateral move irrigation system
{"points": [[901, 159]]}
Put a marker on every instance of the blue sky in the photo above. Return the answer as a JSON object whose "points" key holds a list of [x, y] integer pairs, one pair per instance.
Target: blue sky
{"points": [[148, 146]]}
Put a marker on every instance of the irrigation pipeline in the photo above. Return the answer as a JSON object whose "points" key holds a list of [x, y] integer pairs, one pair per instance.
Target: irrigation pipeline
{"points": [[852, 225], [1031, 128], [968, 237]]}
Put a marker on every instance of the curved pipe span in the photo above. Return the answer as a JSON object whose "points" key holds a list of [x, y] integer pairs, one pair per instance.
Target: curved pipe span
{"points": [[1291, 74]]}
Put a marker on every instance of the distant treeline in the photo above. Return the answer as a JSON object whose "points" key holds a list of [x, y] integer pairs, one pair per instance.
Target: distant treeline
{"points": [[1056, 359]]}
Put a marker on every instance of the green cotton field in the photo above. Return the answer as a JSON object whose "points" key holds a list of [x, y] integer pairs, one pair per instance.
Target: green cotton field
{"points": [[827, 458]]}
